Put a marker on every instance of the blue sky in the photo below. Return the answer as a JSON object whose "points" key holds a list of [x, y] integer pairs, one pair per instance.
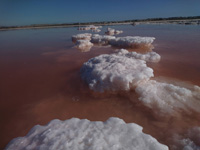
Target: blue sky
{"points": [[26, 12]]}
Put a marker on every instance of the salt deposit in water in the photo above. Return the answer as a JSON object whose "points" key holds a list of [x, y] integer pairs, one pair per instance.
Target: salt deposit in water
{"points": [[82, 36], [101, 39], [148, 57], [111, 31], [84, 45], [188, 141], [114, 72], [168, 97], [131, 41], [76, 134]]}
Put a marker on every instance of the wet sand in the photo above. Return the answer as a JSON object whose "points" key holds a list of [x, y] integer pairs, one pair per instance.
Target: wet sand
{"points": [[40, 81]]}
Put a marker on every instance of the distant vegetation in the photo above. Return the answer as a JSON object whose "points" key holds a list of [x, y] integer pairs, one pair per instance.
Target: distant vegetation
{"points": [[98, 23]]}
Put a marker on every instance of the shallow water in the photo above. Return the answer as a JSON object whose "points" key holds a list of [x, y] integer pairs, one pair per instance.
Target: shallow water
{"points": [[40, 80]]}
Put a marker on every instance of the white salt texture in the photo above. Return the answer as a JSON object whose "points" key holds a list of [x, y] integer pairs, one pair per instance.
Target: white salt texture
{"points": [[149, 57], [84, 45], [114, 72], [168, 97], [82, 36], [76, 134]]}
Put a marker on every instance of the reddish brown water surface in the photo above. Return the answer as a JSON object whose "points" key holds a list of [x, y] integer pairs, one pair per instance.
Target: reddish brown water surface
{"points": [[40, 80]]}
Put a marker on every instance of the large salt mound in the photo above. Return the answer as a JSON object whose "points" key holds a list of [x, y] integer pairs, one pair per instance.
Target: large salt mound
{"points": [[168, 97], [114, 72], [131, 41], [149, 57], [101, 39], [84, 45], [83, 36], [76, 134]]}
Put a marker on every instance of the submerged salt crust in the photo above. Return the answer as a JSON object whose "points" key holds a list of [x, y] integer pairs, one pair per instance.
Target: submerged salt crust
{"points": [[76, 134], [168, 97], [114, 72]]}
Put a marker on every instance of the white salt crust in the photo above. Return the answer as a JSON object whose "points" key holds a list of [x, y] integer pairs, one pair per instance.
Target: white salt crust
{"points": [[131, 41], [101, 39], [82, 36], [149, 57], [84, 45], [126, 42], [76, 134], [168, 97], [188, 141], [114, 72], [111, 31]]}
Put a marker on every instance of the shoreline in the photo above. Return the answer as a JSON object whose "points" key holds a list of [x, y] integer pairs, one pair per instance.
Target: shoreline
{"points": [[181, 22]]}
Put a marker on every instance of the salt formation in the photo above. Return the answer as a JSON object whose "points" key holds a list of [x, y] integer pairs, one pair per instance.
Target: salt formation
{"points": [[111, 31], [101, 39], [90, 27], [168, 97], [84, 45], [131, 41], [114, 72], [82, 36], [76, 134], [126, 42], [189, 141], [149, 57]]}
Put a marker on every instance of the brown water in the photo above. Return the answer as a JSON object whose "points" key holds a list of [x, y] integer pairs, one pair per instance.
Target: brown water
{"points": [[40, 80]]}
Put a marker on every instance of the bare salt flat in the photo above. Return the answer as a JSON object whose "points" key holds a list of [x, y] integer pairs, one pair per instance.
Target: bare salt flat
{"points": [[42, 82]]}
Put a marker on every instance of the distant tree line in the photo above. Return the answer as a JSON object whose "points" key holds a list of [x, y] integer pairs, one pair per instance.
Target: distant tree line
{"points": [[98, 23]]}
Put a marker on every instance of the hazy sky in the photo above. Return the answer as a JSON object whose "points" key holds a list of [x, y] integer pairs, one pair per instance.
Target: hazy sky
{"points": [[26, 12]]}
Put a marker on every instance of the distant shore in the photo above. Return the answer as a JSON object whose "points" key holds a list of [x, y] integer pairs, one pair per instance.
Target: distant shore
{"points": [[173, 20]]}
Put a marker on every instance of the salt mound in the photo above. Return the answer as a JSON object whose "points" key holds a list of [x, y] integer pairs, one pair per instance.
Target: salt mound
{"points": [[126, 42], [83, 36], [149, 57], [114, 72], [189, 141], [101, 39], [131, 41], [84, 45], [111, 31], [168, 97], [76, 134]]}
